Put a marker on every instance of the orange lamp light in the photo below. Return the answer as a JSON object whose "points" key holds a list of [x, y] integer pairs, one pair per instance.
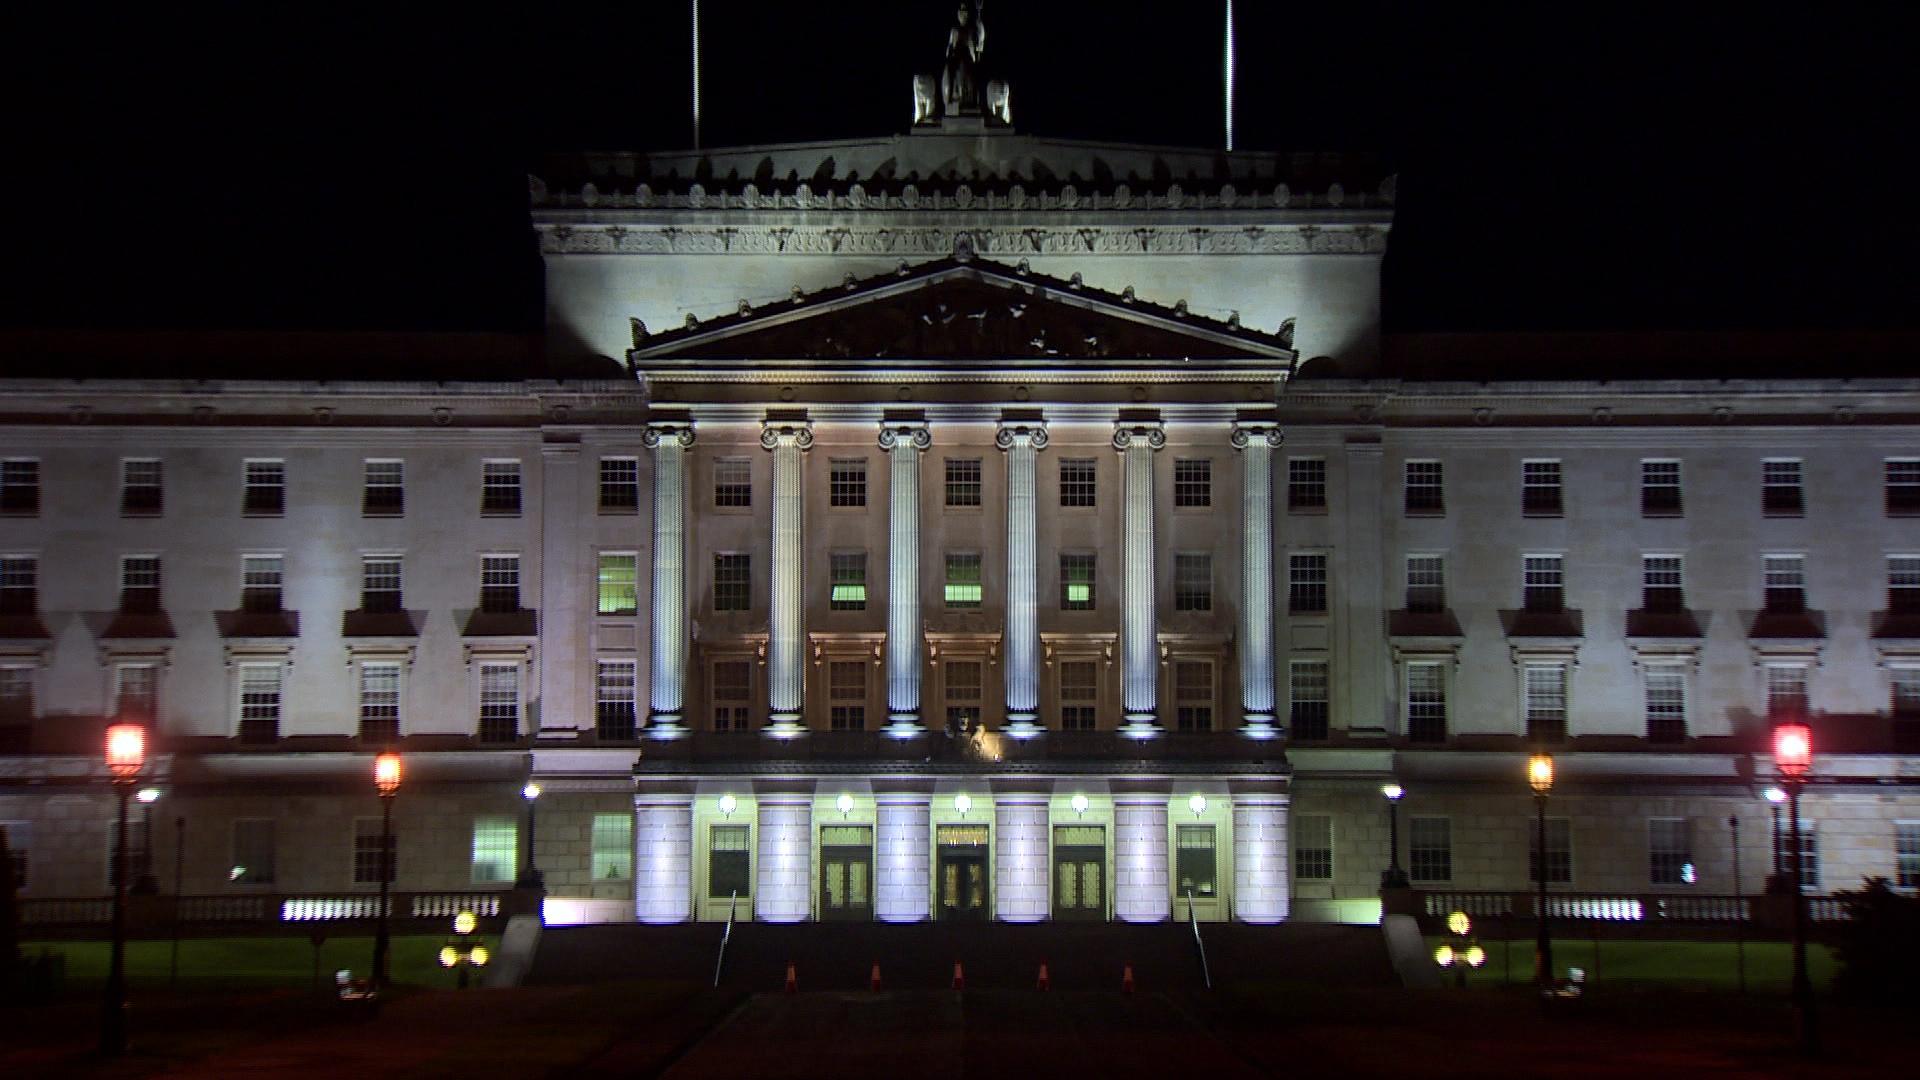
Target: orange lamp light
{"points": [[126, 750], [386, 773], [1793, 749], [1540, 773]]}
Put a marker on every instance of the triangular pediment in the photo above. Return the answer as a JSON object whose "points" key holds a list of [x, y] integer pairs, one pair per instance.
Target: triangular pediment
{"points": [[961, 310]]}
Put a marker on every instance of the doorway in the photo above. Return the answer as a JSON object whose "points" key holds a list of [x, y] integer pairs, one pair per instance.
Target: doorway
{"points": [[1079, 873], [961, 872], [846, 873]]}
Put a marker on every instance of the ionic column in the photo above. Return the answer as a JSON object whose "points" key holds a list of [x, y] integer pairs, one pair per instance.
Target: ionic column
{"points": [[1256, 443], [786, 611], [667, 687], [1022, 440], [1139, 644], [904, 441]]}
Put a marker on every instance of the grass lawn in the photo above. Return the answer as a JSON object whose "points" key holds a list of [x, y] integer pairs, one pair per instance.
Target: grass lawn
{"points": [[252, 961], [1702, 964]]}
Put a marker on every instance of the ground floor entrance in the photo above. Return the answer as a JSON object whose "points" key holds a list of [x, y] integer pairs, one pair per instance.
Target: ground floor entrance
{"points": [[962, 873], [1079, 872]]}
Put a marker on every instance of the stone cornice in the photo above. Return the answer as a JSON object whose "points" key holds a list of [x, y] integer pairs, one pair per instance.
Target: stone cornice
{"points": [[940, 194], [1010, 241]]}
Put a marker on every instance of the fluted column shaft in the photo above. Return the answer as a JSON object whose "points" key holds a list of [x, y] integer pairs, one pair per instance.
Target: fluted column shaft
{"points": [[1256, 443], [904, 442], [1139, 642], [667, 686], [1022, 441], [786, 609]]}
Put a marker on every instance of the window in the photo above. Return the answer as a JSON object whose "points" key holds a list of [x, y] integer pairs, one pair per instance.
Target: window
{"points": [[1903, 487], [1426, 583], [1906, 854], [500, 583], [1426, 702], [1079, 695], [618, 583], [1192, 482], [253, 852], [367, 852], [849, 573], [1666, 703], [619, 485], [1076, 582], [1906, 693], [136, 690], [728, 861], [1192, 581], [963, 579], [499, 702], [20, 487], [847, 482], [1307, 697], [1306, 484], [732, 584], [265, 494], [19, 837], [1559, 852], [1425, 495], [847, 694], [1195, 866], [385, 493], [1903, 584], [963, 679], [1809, 855], [612, 844], [1660, 584], [259, 702], [732, 695], [140, 584], [732, 483], [379, 702], [614, 708], [1076, 482], [496, 849], [141, 494], [1786, 691], [16, 694], [1541, 584], [1659, 488], [1540, 491], [1313, 847], [1781, 494], [500, 488], [1193, 695], [1430, 849], [1785, 578], [19, 584], [1669, 852], [260, 582], [1307, 584], [380, 583], [963, 481], [1544, 687]]}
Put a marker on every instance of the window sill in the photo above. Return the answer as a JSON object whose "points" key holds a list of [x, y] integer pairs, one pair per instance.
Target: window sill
{"points": [[1663, 513], [619, 511], [1548, 514], [383, 513], [1424, 513]]}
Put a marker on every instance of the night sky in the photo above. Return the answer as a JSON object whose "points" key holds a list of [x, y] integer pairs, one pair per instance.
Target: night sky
{"points": [[1562, 167]]}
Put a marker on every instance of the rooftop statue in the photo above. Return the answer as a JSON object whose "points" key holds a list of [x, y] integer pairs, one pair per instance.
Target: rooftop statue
{"points": [[959, 90]]}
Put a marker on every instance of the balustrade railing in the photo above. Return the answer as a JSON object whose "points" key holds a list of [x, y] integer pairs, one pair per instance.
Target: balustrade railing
{"points": [[259, 910], [1622, 908]]}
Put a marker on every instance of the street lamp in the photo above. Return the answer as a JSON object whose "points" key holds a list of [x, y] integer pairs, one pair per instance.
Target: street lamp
{"points": [[463, 950], [126, 756], [1775, 796], [145, 884], [1793, 756], [530, 877], [1540, 778], [1393, 877], [386, 780]]}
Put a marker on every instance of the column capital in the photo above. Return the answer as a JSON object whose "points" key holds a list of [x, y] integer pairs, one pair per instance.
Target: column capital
{"points": [[1245, 433], [789, 431], [1012, 430], [901, 433], [1149, 433], [659, 431]]}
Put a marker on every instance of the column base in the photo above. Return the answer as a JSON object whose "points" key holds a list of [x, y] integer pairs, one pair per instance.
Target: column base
{"points": [[1141, 726], [1023, 725], [1259, 726], [666, 726], [784, 726], [904, 725]]}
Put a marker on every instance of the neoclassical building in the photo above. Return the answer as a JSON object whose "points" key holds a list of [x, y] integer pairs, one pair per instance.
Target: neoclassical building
{"points": [[959, 525]]}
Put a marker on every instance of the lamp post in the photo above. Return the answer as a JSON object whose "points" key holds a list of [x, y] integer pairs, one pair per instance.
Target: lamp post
{"points": [[1393, 877], [386, 779], [126, 755], [530, 877], [1540, 778], [1775, 796], [145, 884], [1793, 756]]}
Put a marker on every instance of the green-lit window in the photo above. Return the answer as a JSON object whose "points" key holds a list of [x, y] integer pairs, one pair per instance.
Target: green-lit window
{"points": [[963, 579], [849, 571], [612, 847], [496, 849], [728, 861], [1194, 861], [1076, 582], [619, 570]]}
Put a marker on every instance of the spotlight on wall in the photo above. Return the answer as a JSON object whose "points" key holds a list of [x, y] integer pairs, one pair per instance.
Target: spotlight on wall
{"points": [[728, 804]]}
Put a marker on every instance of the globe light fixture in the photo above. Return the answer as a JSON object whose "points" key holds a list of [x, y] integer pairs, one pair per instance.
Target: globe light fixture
{"points": [[1079, 804], [1393, 877], [962, 803], [1197, 804], [147, 796], [728, 804], [844, 804]]}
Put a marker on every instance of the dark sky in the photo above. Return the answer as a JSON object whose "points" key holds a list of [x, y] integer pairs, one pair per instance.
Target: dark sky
{"points": [[1562, 166]]}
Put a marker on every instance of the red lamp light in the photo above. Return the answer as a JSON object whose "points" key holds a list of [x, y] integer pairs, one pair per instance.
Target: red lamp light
{"points": [[126, 751], [386, 773], [1793, 749]]}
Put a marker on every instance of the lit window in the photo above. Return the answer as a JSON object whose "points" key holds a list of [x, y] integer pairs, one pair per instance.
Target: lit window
{"points": [[261, 579], [1809, 855], [963, 579], [266, 488], [618, 583], [1425, 493], [1076, 482], [1426, 702], [1195, 866], [1430, 849], [500, 488], [1542, 587], [1669, 852], [1307, 700], [496, 849], [1666, 686], [619, 485], [499, 703], [1544, 687], [1660, 488], [141, 493], [732, 482], [963, 481], [1079, 695], [1781, 493], [847, 482], [1192, 581], [1193, 695], [1306, 484], [1559, 852], [1903, 487], [500, 583], [728, 861], [1307, 584], [1541, 494], [615, 707], [732, 582], [1076, 582], [380, 583], [1192, 482], [612, 844], [20, 487], [1786, 583], [847, 694], [1661, 587], [19, 584], [379, 702], [1786, 691], [385, 491], [848, 570], [1313, 847], [1426, 583], [732, 695], [253, 852]]}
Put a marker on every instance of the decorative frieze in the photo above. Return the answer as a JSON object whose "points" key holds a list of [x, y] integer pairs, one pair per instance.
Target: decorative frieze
{"points": [[937, 242]]}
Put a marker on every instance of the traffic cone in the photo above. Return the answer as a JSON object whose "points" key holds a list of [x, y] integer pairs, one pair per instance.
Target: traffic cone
{"points": [[959, 976], [1043, 983], [873, 981], [793, 981], [1126, 979]]}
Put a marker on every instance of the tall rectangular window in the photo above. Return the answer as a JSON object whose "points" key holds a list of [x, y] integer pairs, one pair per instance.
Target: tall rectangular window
{"points": [[140, 584], [963, 579], [1192, 482], [1425, 492], [1430, 849], [1660, 488], [1903, 487], [20, 487], [732, 483], [1542, 587], [1906, 854], [1192, 581], [729, 858], [261, 580], [612, 847], [380, 583], [265, 490], [1076, 582], [1306, 484], [1785, 582], [496, 849], [1661, 586], [385, 492], [1077, 482], [499, 702], [19, 844], [19, 584], [1903, 584], [1669, 852], [1544, 687], [1426, 583], [1809, 854], [372, 861], [1307, 700], [1905, 683], [847, 695], [1781, 494], [963, 481], [619, 485], [618, 584], [848, 571], [732, 582], [1307, 584], [732, 695], [1193, 695], [615, 707], [16, 694], [141, 491], [1666, 690], [254, 852], [136, 690], [1079, 695], [500, 583], [847, 482], [1541, 494], [1426, 702], [259, 702], [379, 702], [1559, 852], [1195, 865], [964, 691], [500, 488], [1786, 691], [1313, 847]]}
